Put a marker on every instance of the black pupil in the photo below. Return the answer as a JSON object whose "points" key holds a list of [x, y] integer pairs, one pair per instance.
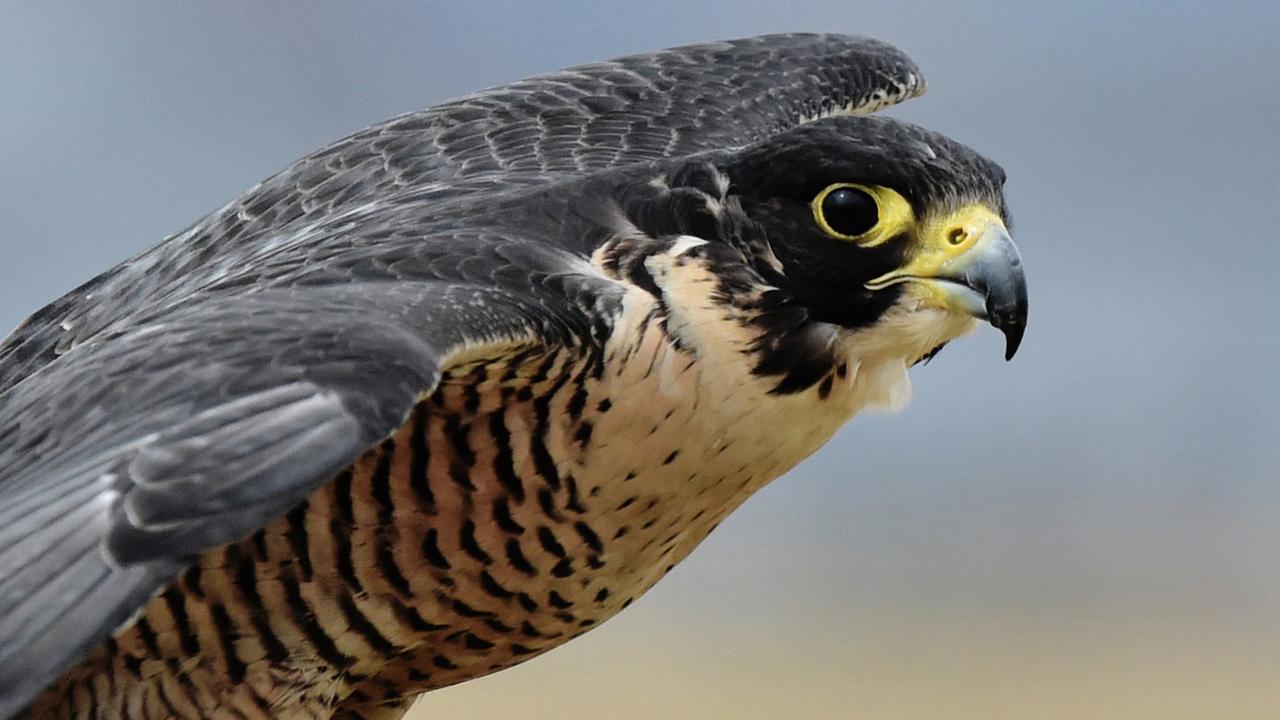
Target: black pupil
{"points": [[850, 211]]}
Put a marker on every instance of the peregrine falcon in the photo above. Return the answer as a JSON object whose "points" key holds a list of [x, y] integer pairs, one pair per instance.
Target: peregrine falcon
{"points": [[459, 387]]}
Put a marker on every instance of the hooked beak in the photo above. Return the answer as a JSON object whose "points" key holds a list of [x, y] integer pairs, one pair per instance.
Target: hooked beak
{"points": [[968, 263]]}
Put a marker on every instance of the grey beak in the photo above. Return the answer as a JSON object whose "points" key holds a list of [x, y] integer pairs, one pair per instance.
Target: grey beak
{"points": [[993, 270]]}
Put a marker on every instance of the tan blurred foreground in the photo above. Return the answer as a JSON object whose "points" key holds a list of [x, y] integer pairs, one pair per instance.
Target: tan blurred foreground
{"points": [[895, 666]]}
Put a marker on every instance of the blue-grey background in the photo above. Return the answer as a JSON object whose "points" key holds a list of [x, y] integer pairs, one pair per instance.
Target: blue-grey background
{"points": [[1090, 531]]}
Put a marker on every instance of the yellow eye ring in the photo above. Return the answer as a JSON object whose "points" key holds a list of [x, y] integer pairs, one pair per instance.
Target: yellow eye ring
{"points": [[863, 214]]}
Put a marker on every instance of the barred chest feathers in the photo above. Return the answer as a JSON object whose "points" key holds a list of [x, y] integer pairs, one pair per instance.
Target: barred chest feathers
{"points": [[529, 498]]}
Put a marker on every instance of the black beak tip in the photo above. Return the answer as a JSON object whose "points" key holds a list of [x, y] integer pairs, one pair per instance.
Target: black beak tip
{"points": [[1012, 339], [1007, 312], [1013, 329]]}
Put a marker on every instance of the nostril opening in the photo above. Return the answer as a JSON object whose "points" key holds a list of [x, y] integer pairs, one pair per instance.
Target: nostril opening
{"points": [[956, 236]]}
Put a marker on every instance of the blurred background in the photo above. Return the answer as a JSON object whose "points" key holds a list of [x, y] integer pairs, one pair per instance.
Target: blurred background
{"points": [[1090, 531]]}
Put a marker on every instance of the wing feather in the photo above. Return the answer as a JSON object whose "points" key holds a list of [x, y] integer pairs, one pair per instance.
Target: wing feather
{"points": [[130, 455], [591, 117], [184, 398]]}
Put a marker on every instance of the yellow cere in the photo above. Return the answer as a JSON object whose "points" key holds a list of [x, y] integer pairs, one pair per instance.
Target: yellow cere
{"points": [[948, 236], [895, 213], [941, 239]]}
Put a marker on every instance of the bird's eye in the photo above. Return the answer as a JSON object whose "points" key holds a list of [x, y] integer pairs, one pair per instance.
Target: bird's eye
{"points": [[866, 215], [849, 212]]}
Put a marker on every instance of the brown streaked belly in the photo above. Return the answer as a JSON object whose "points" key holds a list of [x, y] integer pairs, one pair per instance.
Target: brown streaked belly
{"points": [[523, 503]]}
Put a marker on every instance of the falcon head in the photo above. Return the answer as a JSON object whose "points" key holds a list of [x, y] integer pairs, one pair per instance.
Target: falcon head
{"points": [[887, 230]]}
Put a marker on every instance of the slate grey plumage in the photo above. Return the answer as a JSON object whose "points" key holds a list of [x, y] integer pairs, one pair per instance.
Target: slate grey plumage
{"points": [[378, 398]]}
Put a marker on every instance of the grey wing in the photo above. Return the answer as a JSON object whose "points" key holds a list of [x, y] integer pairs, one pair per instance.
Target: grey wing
{"points": [[643, 107], [144, 417], [136, 451], [664, 104]]}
